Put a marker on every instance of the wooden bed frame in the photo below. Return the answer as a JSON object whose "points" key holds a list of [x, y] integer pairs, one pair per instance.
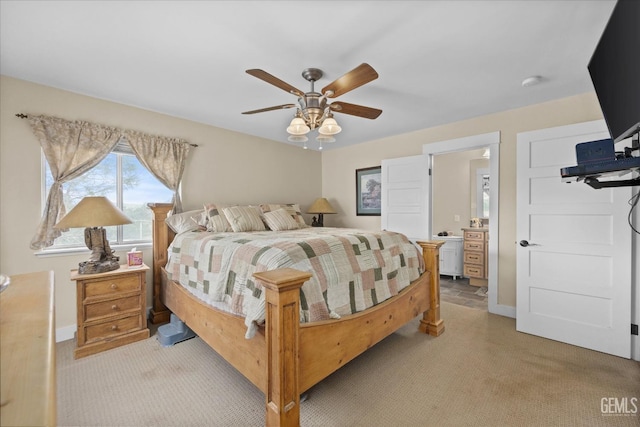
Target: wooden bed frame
{"points": [[284, 358]]}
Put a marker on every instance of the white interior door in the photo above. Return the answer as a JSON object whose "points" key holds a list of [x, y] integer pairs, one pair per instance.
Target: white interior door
{"points": [[574, 278], [405, 196]]}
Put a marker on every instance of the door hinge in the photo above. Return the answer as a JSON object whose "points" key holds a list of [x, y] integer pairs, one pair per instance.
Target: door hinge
{"points": [[429, 171], [634, 329]]}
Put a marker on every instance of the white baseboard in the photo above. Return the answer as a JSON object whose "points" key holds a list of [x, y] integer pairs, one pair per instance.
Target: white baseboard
{"points": [[503, 310], [66, 333]]}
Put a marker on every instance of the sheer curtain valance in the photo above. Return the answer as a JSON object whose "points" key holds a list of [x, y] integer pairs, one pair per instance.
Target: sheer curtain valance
{"points": [[72, 148]]}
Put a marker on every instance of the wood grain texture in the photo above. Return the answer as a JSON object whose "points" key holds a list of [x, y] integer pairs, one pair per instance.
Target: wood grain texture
{"points": [[111, 309], [162, 236], [27, 343]]}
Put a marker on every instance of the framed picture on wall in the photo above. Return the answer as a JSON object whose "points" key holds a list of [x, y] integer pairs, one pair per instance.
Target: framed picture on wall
{"points": [[368, 191]]}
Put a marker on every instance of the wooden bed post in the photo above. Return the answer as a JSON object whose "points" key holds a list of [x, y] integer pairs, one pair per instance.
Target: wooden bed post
{"points": [[431, 322], [282, 324], [162, 236]]}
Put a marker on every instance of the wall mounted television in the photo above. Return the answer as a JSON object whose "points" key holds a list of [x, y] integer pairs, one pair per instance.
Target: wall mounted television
{"points": [[615, 70]]}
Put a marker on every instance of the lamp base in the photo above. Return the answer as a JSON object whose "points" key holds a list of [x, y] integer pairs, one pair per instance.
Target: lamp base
{"points": [[319, 222], [94, 267]]}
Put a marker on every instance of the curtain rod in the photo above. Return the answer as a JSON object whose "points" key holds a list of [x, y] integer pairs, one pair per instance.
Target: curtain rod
{"points": [[24, 116]]}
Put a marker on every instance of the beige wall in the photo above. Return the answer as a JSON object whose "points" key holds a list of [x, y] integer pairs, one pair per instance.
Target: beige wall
{"points": [[226, 167], [338, 167], [233, 167], [453, 178]]}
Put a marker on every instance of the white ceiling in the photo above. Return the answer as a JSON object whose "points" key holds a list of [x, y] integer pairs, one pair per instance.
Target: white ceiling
{"points": [[438, 61]]}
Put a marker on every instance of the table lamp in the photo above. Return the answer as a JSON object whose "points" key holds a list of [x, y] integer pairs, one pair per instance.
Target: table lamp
{"points": [[94, 213], [321, 206]]}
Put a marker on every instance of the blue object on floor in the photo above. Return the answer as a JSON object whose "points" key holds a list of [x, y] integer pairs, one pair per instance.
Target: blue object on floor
{"points": [[174, 332]]}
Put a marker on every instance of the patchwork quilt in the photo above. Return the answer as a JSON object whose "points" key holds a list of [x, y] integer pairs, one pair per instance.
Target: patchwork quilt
{"points": [[351, 269]]}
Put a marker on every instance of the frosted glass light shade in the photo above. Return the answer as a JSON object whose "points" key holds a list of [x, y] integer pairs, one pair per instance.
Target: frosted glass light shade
{"points": [[298, 127], [297, 138], [329, 127], [325, 139]]}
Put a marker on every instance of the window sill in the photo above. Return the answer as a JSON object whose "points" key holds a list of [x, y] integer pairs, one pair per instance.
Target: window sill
{"points": [[45, 253]]}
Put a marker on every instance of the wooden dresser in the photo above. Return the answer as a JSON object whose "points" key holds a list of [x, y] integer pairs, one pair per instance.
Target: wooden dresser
{"points": [[27, 343], [111, 309], [476, 255]]}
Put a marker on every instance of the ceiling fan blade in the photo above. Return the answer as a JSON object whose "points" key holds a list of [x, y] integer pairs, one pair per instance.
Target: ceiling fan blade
{"points": [[355, 110], [277, 107], [360, 75], [263, 75]]}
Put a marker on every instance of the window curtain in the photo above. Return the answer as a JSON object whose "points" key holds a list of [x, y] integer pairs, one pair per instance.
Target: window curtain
{"points": [[71, 149], [164, 157]]}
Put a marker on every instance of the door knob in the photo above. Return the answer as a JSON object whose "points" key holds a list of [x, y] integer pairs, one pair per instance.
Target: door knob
{"points": [[525, 243]]}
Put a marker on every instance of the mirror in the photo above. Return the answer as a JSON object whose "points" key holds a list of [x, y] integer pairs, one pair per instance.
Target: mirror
{"points": [[482, 193], [479, 178]]}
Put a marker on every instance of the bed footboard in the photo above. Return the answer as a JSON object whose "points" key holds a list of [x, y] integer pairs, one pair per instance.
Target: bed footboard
{"points": [[431, 322], [282, 323]]}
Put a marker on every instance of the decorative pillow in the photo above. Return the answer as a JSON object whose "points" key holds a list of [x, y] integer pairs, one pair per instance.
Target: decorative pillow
{"points": [[292, 209], [217, 222], [280, 220], [244, 218], [187, 221]]}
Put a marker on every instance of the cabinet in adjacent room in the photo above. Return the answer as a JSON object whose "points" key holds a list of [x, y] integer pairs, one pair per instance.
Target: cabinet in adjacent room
{"points": [[476, 244], [450, 256]]}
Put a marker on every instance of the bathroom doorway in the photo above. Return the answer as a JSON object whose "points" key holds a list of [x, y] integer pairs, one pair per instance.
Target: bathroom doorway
{"points": [[461, 201], [488, 145]]}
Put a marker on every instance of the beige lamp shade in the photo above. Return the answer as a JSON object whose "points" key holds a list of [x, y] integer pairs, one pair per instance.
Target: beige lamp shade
{"points": [[93, 211], [321, 206]]}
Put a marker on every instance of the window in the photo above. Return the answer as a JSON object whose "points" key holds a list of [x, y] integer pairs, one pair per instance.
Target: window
{"points": [[126, 182]]}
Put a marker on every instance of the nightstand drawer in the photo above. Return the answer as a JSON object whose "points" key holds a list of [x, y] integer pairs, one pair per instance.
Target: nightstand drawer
{"points": [[109, 308], [112, 286], [474, 258], [105, 330]]}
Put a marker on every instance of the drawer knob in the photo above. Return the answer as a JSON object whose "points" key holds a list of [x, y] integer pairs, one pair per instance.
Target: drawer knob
{"points": [[114, 327], [114, 307], [114, 286]]}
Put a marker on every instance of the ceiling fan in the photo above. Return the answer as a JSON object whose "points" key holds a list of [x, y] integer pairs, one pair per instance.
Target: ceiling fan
{"points": [[313, 110]]}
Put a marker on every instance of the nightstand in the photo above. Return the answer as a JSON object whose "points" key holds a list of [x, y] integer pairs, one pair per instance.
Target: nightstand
{"points": [[111, 309]]}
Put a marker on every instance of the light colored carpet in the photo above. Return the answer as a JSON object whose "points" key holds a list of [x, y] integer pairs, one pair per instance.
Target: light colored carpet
{"points": [[480, 372]]}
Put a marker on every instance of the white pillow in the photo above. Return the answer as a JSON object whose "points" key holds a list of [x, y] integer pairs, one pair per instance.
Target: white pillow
{"points": [[279, 220], [187, 221], [244, 218]]}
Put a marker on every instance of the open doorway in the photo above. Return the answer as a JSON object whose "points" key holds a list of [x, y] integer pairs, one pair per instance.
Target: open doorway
{"points": [[461, 202], [492, 142]]}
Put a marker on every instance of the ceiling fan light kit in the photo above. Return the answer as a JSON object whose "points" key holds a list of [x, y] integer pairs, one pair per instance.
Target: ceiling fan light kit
{"points": [[298, 127], [329, 126], [313, 112]]}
